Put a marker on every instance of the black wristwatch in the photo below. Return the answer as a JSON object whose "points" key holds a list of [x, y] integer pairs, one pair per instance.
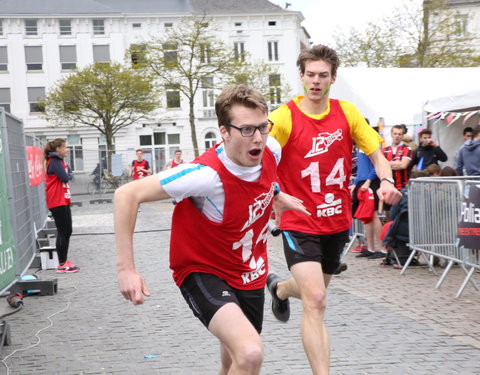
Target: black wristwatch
{"points": [[389, 179]]}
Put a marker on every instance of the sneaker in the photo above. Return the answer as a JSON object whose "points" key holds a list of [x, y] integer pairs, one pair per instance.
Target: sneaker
{"points": [[67, 267], [342, 267], [377, 255], [365, 253], [280, 308], [358, 249]]}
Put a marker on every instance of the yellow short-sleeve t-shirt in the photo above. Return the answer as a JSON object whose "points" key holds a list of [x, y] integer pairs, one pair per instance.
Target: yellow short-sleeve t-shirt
{"points": [[366, 138]]}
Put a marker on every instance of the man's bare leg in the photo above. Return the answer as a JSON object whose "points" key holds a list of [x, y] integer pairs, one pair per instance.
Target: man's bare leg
{"points": [[241, 347], [309, 283]]}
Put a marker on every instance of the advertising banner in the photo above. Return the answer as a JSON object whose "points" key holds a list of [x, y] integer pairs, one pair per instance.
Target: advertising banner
{"points": [[36, 172], [7, 250], [469, 225]]}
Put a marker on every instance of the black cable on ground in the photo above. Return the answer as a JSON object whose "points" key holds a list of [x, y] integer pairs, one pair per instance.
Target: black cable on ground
{"points": [[16, 301]]}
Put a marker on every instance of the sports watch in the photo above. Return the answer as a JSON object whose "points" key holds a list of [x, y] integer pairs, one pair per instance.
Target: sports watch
{"points": [[389, 179]]}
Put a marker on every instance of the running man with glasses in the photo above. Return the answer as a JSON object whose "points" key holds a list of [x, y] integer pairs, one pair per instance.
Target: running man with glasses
{"points": [[219, 228]]}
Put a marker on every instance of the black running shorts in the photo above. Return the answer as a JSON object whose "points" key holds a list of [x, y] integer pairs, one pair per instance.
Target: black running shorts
{"points": [[304, 247], [206, 294]]}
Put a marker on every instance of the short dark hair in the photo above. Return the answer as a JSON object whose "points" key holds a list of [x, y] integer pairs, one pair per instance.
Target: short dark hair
{"points": [[417, 174], [238, 95], [139, 149], [468, 129], [319, 52], [425, 131], [432, 169], [448, 171], [401, 127]]}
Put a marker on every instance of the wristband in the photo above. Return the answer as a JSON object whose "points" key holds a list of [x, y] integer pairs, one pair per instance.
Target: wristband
{"points": [[277, 189]]}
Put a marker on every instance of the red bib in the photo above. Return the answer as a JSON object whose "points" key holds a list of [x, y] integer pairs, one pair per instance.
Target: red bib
{"points": [[235, 249], [316, 166]]}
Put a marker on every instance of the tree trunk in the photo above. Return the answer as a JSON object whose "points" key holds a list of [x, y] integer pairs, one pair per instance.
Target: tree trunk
{"points": [[193, 130], [110, 148]]}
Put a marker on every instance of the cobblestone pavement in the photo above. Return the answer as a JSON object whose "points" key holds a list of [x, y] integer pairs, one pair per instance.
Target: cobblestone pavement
{"points": [[380, 322]]}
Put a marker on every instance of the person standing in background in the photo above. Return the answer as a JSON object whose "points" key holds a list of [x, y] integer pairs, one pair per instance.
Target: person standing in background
{"points": [[428, 152], [467, 136], [177, 160], [58, 199], [399, 156], [140, 167]]}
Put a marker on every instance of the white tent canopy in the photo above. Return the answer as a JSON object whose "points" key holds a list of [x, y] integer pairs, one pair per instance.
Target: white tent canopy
{"points": [[458, 102], [399, 94]]}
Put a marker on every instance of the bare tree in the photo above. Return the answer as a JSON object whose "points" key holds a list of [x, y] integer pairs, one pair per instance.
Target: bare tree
{"points": [[189, 57], [426, 35]]}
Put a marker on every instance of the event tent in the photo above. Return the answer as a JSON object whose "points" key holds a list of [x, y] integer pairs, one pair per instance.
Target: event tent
{"points": [[410, 95]]}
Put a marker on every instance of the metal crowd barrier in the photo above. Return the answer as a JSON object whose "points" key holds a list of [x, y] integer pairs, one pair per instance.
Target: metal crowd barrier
{"points": [[433, 213], [358, 233]]}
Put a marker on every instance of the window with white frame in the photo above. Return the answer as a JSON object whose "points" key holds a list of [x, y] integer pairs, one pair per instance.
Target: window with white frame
{"points": [[239, 50], [3, 59], [65, 27], [34, 57], [170, 53], [75, 155], [1, 27], [101, 53], [98, 27], [35, 96], [168, 25], [137, 53], [275, 91], [5, 99], [157, 145], [136, 25], [68, 57], [173, 96], [273, 51], [210, 140], [461, 24], [207, 93], [102, 150], [205, 53], [31, 27]]}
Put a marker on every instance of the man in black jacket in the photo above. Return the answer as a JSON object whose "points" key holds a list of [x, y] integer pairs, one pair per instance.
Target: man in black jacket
{"points": [[428, 152]]}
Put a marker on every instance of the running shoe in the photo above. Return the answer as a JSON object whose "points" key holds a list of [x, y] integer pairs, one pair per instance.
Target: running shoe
{"points": [[280, 308], [67, 267], [358, 249], [365, 253], [377, 255], [342, 267]]}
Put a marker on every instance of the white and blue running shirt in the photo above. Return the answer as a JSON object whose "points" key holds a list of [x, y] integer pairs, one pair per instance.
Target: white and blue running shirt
{"points": [[203, 184]]}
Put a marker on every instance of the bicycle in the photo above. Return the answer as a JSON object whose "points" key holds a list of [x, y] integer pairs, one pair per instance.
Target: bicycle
{"points": [[106, 183]]}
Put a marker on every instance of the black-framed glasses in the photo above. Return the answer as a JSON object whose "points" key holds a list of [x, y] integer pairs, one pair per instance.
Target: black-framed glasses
{"points": [[249, 131]]}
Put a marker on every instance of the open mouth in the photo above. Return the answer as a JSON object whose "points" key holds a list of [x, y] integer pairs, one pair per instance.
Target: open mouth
{"points": [[316, 90], [255, 152]]}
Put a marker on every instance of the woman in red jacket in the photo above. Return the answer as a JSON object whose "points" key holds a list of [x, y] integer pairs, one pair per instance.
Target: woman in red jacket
{"points": [[58, 199]]}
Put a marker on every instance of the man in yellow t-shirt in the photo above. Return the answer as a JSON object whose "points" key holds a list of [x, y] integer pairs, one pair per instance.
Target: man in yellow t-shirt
{"points": [[316, 134]]}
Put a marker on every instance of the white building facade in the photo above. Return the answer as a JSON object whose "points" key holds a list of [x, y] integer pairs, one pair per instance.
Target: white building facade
{"points": [[41, 44]]}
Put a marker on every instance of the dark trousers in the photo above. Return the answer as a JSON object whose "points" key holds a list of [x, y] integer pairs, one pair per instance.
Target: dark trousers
{"points": [[63, 220]]}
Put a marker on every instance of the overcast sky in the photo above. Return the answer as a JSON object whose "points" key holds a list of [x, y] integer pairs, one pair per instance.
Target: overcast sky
{"points": [[323, 17]]}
